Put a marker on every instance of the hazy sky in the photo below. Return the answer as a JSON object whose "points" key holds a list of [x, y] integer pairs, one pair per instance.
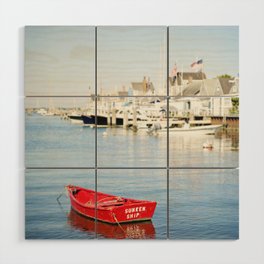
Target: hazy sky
{"points": [[58, 102], [127, 54], [59, 60], [218, 46]]}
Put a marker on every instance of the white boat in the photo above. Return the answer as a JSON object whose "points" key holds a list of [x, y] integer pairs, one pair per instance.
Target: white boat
{"points": [[196, 129], [49, 113], [42, 111], [75, 118]]}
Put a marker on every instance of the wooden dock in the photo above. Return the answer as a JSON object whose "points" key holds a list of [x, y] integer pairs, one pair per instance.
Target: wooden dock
{"points": [[227, 121]]}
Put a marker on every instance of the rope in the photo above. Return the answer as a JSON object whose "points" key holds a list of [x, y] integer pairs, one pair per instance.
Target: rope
{"points": [[119, 224], [58, 200], [64, 192]]}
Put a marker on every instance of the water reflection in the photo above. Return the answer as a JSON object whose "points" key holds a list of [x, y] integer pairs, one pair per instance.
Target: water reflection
{"points": [[188, 150], [232, 135], [140, 230]]}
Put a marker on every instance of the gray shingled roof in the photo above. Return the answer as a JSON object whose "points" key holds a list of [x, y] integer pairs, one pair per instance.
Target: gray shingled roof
{"points": [[192, 89], [194, 75], [211, 87], [138, 86], [226, 85]]}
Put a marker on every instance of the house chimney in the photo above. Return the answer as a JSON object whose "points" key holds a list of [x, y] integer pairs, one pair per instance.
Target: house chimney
{"points": [[179, 78]]}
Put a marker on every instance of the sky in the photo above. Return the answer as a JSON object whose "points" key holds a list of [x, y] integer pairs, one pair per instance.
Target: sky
{"points": [[127, 54], [60, 60], [217, 46], [59, 102]]}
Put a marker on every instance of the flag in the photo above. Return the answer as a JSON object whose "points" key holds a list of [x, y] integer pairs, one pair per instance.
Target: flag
{"points": [[193, 64], [174, 71], [173, 74], [197, 65]]}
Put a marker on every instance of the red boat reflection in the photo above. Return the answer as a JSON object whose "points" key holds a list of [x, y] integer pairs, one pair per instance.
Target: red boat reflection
{"points": [[135, 230]]}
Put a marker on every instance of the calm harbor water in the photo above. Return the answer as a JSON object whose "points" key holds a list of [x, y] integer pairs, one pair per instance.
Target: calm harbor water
{"points": [[187, 150], [52, 142], [46, 219], [203, 203]]}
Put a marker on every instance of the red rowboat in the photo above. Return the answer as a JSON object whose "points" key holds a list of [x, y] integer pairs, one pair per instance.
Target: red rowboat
{"points": [[136, 230], [110, 208]]}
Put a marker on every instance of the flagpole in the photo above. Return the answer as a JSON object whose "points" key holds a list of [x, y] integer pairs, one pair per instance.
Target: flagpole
{"points": [[181, 79], [202, 71]]}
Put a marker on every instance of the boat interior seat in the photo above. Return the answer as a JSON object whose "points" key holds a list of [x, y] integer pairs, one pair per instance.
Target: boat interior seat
{"points": [[89, 203], [114, 203]]}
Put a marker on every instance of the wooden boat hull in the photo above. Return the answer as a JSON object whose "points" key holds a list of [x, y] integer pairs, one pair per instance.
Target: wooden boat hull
{"points": [[111, 209]]}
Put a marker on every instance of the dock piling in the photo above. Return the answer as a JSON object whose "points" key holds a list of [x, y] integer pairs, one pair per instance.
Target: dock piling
{"points": [[113, 116], [109, 116], [125, 122]]}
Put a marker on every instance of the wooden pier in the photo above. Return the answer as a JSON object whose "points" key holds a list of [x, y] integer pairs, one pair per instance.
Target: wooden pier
{"points": [[228, 121]]}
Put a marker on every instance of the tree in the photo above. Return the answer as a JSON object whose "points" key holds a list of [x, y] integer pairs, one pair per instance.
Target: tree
{"points": [[225, 76], [235, 106]]}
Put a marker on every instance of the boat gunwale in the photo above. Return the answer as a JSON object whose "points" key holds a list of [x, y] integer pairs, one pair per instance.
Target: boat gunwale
{"points": [[110, 208], [192, 129]]}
